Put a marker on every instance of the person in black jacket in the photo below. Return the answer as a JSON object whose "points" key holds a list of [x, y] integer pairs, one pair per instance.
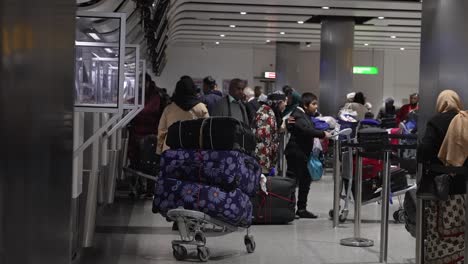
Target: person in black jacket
{"points": [[251, 104], [300, 146]]}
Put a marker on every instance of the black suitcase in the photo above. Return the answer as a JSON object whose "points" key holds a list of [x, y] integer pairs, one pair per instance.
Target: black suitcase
{"points": [[398, 182], [149, 160], [369, 189], [278, 207], [409, 164], [398, 179], [218, 133]]}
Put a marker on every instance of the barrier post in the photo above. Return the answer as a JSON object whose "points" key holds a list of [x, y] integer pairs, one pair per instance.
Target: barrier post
{"points": [[357, 241], [337, 182], [385, 205]]}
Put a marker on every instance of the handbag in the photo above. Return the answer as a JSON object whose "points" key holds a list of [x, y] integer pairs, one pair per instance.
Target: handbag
{"points": [[442, 185], [315, 167]]}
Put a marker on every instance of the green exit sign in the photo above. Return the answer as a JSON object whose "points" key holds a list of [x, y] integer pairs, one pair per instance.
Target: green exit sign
{"points": [[365, 70]]}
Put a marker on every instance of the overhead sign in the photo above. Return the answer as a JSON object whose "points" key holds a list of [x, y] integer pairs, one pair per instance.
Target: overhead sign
{"points": [[270, 75], [365, 70]]}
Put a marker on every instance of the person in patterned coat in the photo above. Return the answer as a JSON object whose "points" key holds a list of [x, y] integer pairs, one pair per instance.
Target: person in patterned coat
{"points": [[267, 126]]}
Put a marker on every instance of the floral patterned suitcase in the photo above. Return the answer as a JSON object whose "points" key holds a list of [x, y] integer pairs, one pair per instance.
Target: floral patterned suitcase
{"points": [[225, 169], [233, 208]]}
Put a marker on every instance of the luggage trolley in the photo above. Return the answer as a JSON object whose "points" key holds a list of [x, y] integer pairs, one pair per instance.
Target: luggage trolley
{"points": [[348, 176], [195, 226]]}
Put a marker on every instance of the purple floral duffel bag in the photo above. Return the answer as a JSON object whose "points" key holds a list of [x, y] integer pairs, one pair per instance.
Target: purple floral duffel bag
{"points": [[225, 169], [233, 208]]}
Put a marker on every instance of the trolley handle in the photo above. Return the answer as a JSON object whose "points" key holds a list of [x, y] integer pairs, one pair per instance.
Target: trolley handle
{"points": [[344, 132]]}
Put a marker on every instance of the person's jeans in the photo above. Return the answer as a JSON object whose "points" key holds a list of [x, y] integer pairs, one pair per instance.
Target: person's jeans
{"points": [[299, 170]]}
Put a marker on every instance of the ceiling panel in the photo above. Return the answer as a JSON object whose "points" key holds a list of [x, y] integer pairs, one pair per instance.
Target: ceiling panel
{"points": [[206, 20]]}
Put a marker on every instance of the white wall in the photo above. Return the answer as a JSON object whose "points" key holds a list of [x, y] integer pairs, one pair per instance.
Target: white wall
{"points": [[398, 77], [309, 72], [264, 61], [401, 75], [370, 85], [219, 62]]}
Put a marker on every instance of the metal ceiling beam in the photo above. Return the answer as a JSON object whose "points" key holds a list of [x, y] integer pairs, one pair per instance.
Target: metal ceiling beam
{"points": [[235, 31], [364, 4], [282, 24], [303, 11]]}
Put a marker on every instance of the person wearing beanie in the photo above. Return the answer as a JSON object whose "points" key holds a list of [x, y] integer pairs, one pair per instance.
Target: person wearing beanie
{"points": [[389, 110], [185, 106]]}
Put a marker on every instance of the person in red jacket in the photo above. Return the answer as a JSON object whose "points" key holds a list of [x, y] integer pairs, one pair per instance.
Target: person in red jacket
{"points": [[144, 124], [404, 111]]}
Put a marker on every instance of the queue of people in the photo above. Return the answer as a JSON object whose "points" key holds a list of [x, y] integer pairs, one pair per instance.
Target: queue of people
{"points": [[444, 141]]}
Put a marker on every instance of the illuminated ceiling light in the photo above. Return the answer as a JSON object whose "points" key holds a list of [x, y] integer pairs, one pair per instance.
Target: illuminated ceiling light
{"points": [[217, 42], [325, 7], [308, 45], [243, 13], [268, 41], [282, 32], [366, 44], [381, 17], [222, 35], [94, 36], [232, 26], [300, 22], [393, 37], [402, 48], [109, 50]]}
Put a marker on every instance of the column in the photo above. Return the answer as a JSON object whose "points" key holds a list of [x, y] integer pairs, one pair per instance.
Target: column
{"points": [[336, 63], [287, 64], [444, 54], [36, 117]]}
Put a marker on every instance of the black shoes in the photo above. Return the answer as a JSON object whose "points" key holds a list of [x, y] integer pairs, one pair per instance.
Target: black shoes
{"points": [[306, 214]]}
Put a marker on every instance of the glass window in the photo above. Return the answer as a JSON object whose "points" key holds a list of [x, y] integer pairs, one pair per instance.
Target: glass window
{"points": [[96, 77]]}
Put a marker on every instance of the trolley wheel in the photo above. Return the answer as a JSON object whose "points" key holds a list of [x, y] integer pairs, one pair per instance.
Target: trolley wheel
{"points": [[396, 216], [402, 216], [203, 254], [250, 245], [342, 218], [200, 238], [179, 252]]}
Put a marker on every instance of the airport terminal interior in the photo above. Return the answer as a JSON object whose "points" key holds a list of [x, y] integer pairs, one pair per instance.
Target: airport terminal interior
{"points": [[233, 131]]}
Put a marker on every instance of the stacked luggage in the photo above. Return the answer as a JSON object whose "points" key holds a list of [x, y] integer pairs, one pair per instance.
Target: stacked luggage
{"points": [[209, 169]]}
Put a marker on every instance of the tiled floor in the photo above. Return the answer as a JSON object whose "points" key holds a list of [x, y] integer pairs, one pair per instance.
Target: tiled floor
{"points": [[129, 233]]}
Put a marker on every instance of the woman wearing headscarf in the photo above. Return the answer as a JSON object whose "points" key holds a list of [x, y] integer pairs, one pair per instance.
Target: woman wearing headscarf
{"points": [[445, 225], [185, 105], [294, 99], [267, 124]]}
